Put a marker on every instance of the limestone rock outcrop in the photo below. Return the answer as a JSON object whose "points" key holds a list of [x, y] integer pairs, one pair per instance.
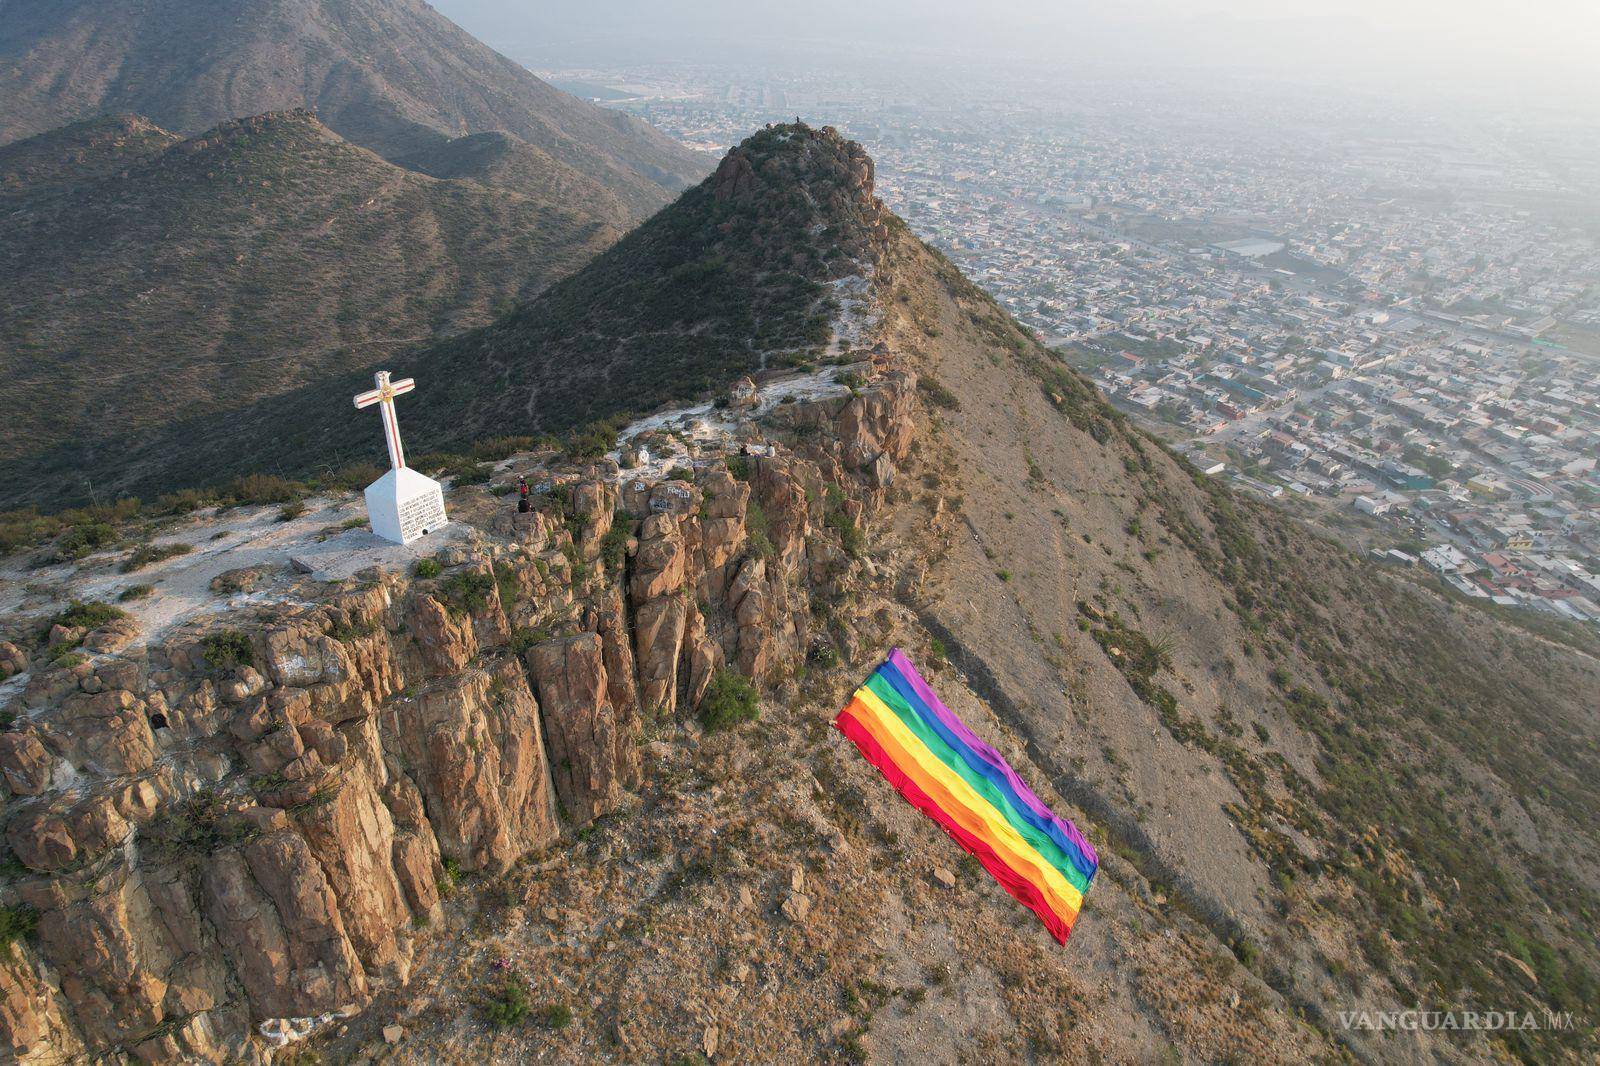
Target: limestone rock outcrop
{"points": [[250, 817]]}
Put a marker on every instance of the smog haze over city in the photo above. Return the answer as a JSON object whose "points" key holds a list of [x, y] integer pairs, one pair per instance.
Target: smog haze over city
{"points": [[1345, 252]]}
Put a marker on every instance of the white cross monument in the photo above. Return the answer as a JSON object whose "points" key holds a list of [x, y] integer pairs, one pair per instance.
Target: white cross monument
{"points": [[402, 504]]}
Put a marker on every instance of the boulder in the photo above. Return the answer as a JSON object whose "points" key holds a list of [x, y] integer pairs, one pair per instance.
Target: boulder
{"points": [[591, 759]]}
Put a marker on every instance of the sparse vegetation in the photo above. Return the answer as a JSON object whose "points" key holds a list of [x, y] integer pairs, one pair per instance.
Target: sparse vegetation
{"points": [[146, 554], [88, 616], [508, 1004], [18, 922], [730, 700], [227, 650]]}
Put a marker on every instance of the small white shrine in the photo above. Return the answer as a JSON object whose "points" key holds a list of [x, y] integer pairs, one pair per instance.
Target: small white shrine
{"points": [[402, 504]]}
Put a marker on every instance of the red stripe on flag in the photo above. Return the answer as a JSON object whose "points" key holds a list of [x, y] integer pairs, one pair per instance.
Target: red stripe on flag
{"points": [[1022, 889]]}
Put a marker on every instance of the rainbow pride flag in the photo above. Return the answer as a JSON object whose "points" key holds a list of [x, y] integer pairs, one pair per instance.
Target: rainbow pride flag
{"points": [[939, 765]]}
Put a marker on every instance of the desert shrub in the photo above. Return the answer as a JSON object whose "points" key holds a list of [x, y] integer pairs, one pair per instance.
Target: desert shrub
{"points": [[259, 489], [16, 923], [184, 501], [468, 592], [90, 615], [758, 531], [614, 545], [136, 592], [292, 510], [228, 649], [935, 392], [507, 1005], [851, 539], [356, 626], [427, 569], [83, 539], [730, 700], [498, 448], [555, 1016], [506, 581], [197, 826], [146, 554]]}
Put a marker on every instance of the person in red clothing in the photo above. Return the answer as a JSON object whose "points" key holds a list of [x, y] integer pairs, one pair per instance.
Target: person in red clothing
{"points": [[522, 495]]}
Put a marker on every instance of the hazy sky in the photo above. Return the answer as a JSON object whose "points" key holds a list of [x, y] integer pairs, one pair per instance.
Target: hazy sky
{"points": [[1549, 49]]}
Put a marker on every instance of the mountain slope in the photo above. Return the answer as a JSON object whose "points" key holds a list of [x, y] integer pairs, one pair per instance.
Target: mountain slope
{"points": [[82, 152], [1376, 798], [391, 75], [748, 269], [1316, 786], [188, 280]]}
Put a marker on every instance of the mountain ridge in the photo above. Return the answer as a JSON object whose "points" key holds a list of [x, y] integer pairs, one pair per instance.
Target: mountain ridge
{"points": [[391, 75], [256, 257], [741, 272]]}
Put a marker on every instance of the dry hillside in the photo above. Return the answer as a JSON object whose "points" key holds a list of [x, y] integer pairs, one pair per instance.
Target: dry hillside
{"points": [[147, 280], [394, 76]]}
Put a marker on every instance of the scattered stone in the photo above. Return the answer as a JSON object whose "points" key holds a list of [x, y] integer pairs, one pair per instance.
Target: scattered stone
{"points": [[747, 898], [944, 877], [797, 879], [709, 1041], [796, 907], [393, 1034]]}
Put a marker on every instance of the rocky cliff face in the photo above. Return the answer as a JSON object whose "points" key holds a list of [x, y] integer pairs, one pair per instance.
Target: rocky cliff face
{"points": [[246, 826]]}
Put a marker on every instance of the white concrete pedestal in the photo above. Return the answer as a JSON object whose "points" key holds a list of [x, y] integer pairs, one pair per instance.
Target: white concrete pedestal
{"points": [[405, 505]]}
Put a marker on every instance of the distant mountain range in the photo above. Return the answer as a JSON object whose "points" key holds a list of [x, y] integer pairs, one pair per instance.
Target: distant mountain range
{"points": [[394, 76]]}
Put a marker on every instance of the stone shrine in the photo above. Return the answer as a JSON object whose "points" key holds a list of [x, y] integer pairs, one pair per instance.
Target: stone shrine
{"points": [[403, 504]]}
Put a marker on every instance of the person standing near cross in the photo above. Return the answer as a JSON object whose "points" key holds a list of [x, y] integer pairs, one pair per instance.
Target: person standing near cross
{"points": [[403, 504]]}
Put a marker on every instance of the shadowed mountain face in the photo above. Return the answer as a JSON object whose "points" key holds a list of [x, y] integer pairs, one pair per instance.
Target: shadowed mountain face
{"points": [[742, 272], [391, 75], [147, 280]]}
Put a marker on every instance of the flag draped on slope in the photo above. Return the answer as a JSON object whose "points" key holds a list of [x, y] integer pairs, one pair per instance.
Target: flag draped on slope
{"points": [[946, 772]]}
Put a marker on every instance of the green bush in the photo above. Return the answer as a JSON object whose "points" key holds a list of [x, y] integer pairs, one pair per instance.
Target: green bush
{"points": [[937, 394], [614, 545], [136, 592], [199, 825], [758, 530], [468, 592], [184, 501], [145, 554], [292, 510], [16, 923], [91, 615], [555, 1016], [427, 569], [228, 649], [507, 1005], [82, 540], [730, 700]]}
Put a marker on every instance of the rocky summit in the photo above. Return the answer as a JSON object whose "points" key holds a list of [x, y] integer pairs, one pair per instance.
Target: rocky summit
{"points": [[560, 784]]}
